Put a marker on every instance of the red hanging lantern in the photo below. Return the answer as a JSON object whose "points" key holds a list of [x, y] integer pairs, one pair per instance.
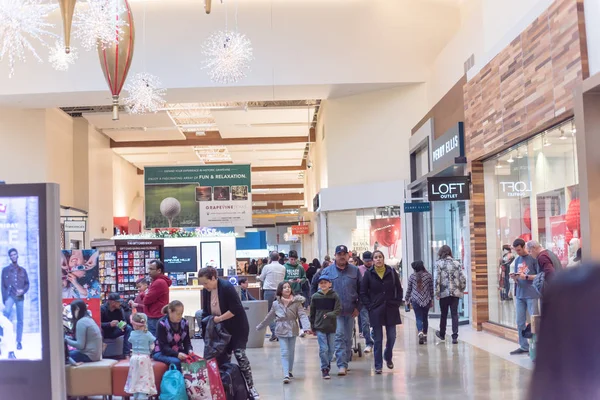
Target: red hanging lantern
{"points": [[116, 57], [526, 237], [573, 217]]}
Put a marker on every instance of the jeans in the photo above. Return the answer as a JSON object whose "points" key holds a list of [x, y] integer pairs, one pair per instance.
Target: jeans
{"points": [[365, 327], [524, 306], [78, 356], [288, 347], [140, 396], [153, 325], [390, 332], [167, 360], [8, 306], [326, 348], [113, 333], [270, 297], [422, 317], [452, 303], [343, 340]]}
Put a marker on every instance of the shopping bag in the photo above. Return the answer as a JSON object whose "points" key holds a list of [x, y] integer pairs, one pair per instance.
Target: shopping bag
{"points": [[172, 386], [195, 374], [214, 377]]}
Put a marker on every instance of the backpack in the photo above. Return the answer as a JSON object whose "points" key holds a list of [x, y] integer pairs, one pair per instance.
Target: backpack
{"points": [[555, 261], [234, 382], [172, 386]]}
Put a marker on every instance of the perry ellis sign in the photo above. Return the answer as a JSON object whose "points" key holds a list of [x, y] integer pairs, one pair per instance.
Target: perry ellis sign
{"points": [[448, 188]]}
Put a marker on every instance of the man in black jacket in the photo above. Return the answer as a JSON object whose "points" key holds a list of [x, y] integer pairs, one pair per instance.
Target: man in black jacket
{"points": [[113, 321]]}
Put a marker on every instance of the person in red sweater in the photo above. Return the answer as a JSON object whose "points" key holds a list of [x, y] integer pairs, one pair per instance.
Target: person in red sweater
{"points": [[142, 286], [157, 295]]}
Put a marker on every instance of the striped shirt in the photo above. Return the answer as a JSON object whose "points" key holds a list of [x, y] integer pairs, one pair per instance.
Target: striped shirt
{"points": [[421, 297]]}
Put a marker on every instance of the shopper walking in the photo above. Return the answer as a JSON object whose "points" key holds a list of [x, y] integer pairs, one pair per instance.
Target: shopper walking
{"points": [[381, 293], [346, 283], [325, 307], [363, 316], [419, 294], [272, 275], [87, 338], [157, 296], [15, 285], [286, 311], [527, 298], [173, 343], [220, 299], [450, 285], [140, 380]]}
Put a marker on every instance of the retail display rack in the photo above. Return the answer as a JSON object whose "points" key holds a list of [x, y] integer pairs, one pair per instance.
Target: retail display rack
{"points": [[122, 262]]}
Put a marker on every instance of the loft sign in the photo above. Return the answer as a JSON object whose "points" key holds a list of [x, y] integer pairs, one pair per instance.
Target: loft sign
{"points": [[515, 189], [448, 188]]}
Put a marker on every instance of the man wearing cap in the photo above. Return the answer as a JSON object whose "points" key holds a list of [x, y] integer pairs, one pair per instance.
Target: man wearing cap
{"points": [[346, 283], [271, 276], [363, 317], [113, 322]]}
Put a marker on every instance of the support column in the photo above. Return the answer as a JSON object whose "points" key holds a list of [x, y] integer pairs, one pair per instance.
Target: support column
{"points": [[479, 271]]}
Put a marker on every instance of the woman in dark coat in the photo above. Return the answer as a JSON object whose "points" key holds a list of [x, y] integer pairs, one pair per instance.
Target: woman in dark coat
{"points": [[220, 300], [381, 293]]}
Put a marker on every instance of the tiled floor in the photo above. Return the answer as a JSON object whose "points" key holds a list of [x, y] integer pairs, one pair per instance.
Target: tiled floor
{"points": [[422, 372]]}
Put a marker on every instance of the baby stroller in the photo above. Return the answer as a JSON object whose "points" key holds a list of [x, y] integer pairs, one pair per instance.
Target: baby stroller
{"points": [[356, 345]]}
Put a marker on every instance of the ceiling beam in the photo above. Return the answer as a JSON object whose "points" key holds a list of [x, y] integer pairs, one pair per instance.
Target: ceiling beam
{"points": [[278, 197], [210, 141], [300, 167], [282, 186], [280, 207]]}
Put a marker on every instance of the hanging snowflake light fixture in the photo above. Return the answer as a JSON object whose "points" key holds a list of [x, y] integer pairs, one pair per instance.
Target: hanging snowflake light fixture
{"points": [[59, 59], [22, 23], [228, 56], [96, 23], [144, 94]]}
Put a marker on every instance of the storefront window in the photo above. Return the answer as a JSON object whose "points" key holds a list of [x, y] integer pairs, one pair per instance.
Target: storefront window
{"points": [[531, 192]]}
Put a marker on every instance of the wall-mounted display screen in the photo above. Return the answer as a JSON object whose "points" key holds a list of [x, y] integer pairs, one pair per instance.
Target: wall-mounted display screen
{"points": [[211, 254], [20, 309], [181, 259]]}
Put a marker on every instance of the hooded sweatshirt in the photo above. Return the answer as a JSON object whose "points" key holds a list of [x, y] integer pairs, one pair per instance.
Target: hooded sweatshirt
{"points": [[322, 305], [157, 296], [295, 272]]}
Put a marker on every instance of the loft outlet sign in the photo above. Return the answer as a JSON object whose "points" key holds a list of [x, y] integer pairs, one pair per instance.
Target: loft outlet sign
{"points": [[515, 189], [448, 188]]}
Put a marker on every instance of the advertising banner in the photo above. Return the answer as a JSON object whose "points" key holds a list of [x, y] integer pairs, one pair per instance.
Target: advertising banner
{"points": [[560, 247], [80, 275], [386, 235], [193, 196]]}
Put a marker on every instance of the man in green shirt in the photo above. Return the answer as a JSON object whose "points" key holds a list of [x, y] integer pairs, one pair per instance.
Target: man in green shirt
{"points": [[294, 272]]}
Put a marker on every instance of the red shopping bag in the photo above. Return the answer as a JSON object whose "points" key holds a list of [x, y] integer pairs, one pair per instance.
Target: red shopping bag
{"points": [[195, 375], [214, 377]]}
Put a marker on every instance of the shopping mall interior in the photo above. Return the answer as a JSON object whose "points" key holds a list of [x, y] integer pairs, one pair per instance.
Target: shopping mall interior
{"points": [[199, 154]]}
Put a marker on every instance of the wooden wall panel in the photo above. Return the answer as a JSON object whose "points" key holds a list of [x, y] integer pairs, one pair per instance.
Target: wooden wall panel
{"points": [[525, 88]]}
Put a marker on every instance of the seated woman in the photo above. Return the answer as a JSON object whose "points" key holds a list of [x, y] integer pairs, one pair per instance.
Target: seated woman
{"points": [[220, 299], [88, 338], [173, 342]]}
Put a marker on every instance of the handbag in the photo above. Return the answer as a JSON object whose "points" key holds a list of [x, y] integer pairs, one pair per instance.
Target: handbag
{"points": [[172, 386], [195, 374], [214, 378]]}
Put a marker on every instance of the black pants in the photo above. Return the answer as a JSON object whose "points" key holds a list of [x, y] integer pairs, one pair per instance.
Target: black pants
{"points": [[452, 303]]}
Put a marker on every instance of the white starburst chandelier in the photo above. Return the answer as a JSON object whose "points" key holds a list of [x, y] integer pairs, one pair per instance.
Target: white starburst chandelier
{"points": [[228, 56], [22, 24], [96, 23], [144, 94], [60, 59]]}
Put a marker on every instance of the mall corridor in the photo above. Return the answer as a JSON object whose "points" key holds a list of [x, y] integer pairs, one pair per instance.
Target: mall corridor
{"points": [[432, 371]]}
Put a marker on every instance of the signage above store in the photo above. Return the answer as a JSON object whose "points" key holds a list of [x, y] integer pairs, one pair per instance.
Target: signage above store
{"points": [[74, 226], [317, 202], [515, 189], [300, 230], [448, 188], [417, 207], [448, 147]]}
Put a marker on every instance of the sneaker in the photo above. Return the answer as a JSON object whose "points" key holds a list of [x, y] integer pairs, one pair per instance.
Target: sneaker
{"points": [[286, 380], [454, 340], [378, 372], [425, 338], [290, 374], [421, 338], [273, 339], [342, 372], [12, 356], [302, 334], [368, 349], [325, 373], [439, 336], [254, 394], [519, 351], [390, 364], [19, 346]]}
